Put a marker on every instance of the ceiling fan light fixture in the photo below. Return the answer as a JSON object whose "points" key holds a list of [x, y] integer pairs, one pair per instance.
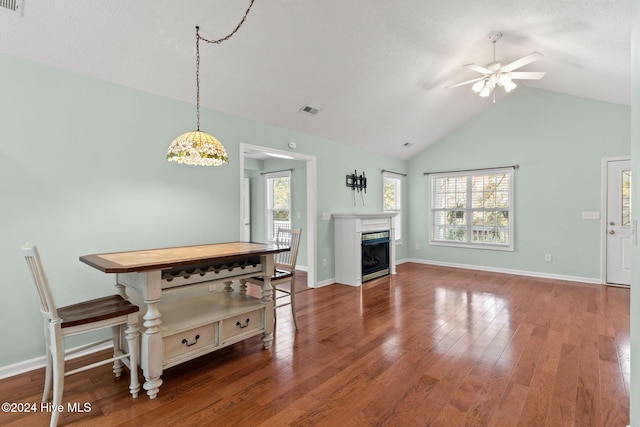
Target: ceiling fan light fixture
{"points": [[477, 87], [504, 79], [497, 74], [509, 86], [486, 91]]}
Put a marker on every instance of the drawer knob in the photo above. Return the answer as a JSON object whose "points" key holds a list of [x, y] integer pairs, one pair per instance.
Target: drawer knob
{"points": [[189, 344], [241, 325]]}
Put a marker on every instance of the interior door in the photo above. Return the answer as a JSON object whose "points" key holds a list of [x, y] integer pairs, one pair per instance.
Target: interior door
{"points": [[619, 222]]}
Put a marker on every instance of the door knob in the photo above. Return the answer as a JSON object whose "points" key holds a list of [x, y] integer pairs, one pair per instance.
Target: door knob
{"points": [[612, 232]]}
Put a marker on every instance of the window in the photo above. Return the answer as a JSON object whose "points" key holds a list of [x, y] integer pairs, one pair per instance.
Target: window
{"points": [[473, 209], [626, 198], [392, 199], [278, 202]]}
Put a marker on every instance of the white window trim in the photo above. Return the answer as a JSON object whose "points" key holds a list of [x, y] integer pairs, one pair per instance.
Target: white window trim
{"points": [[397, 218], [478, 172], [267, 177]]}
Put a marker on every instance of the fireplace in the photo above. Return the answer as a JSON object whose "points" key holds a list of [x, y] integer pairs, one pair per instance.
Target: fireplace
{"points": [[364, 247], [375, 254]]}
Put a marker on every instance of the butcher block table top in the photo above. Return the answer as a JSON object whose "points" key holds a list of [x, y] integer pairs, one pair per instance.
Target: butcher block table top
{"points": [[154, 259]]}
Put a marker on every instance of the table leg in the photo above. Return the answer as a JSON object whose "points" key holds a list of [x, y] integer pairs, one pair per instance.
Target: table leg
{"points": [[152, 349], [267, 297]]}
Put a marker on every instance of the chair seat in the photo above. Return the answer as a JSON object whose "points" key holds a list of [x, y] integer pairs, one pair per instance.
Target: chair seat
{"points": [[95, 310], [279, 274]]}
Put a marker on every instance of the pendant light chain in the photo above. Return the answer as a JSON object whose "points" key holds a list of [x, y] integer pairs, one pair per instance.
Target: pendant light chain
{"points": [[198, 38], [232, 32], [198, 77]]}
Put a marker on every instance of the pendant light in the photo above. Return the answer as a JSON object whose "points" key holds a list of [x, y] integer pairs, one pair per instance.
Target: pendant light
{"points": [[197, 147]]}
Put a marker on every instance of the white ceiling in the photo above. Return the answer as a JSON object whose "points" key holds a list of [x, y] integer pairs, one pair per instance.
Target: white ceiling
{"points": [[376, 69]]}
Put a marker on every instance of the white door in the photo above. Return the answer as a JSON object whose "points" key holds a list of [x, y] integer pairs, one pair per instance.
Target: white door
{"points": [[246, 221], [619, 223]]}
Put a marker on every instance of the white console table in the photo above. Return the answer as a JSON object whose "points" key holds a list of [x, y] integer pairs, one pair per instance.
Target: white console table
{"points": [[183, 318], [348, 229]]}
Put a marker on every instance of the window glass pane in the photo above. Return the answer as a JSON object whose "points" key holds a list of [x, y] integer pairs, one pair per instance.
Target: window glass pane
{"points": [[278, 201], [392, 200], [389, 199], [626, 198], [281, 192], [491, 227], [450, 192]]}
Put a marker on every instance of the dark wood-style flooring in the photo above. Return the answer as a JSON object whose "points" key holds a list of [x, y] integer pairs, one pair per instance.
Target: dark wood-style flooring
{"points": [[430, 346]]}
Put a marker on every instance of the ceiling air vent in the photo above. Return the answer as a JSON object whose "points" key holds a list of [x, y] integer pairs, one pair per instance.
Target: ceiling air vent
{"points": [[307, 109], [13, 7]]}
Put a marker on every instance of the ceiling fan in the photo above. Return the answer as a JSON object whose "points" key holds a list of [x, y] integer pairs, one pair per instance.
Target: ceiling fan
{"points": [[495, 74]]}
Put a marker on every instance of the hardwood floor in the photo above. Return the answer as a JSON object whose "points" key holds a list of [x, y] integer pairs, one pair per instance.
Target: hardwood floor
{"points": [[430, 346]]}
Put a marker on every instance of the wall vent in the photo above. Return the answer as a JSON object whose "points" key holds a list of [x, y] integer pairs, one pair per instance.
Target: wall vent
{"points": [[309, 110], [13, 7]]}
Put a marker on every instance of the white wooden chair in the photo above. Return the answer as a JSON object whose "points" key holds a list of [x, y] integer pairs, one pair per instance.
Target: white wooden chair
{"points": [[112, 311], [285, 271]]}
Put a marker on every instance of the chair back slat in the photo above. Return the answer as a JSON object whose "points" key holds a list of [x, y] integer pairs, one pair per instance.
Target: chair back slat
{"points": [[290, 238], [40, 282]]}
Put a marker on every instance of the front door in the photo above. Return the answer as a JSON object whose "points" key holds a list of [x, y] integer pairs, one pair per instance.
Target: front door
{"points": [[619, 223]]}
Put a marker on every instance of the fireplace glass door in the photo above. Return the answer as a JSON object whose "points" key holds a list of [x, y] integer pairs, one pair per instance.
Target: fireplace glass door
{"points": [[375, 255]]}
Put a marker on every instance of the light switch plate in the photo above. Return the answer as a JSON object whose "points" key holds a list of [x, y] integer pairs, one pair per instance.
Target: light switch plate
{"points": [[590, 215]]}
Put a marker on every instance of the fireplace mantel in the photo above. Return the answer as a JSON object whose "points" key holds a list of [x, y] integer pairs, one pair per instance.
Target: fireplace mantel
{"points": [[348, 228]]}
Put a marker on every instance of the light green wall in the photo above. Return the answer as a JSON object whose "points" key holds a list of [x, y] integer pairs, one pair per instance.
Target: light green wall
{"points": [[558, 141], [83, 171], [635, 164]]}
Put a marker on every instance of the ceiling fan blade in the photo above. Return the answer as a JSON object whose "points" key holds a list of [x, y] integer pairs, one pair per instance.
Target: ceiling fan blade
{"points": [[465, 83], [521, 62], [481, 70], [527, 75]]}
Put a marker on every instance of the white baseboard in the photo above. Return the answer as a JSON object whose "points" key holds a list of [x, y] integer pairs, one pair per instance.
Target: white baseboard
{"points": [[39, 362], [325, 282], [510, 271]]}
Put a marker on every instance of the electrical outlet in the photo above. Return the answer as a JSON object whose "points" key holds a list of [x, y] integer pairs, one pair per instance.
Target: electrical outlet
{"points": [[324, 262], [417, 246], [547, 257]]}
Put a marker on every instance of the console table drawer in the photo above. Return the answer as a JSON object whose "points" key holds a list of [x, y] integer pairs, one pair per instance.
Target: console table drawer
{"points": [[242, 324], [191, 340]]}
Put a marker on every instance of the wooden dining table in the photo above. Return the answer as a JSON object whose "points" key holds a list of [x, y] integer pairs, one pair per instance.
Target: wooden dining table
{"points": [[186, 314]]}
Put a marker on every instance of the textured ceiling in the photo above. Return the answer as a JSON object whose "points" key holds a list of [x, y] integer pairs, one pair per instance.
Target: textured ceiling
{"points": [[376, 69]]}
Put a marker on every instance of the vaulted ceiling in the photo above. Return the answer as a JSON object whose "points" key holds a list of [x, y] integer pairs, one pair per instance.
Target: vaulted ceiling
{"points": [[375, 69]]}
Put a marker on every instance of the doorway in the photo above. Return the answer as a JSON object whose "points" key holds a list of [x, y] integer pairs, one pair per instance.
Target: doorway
{"points": [[617, 222], [252, 151]]}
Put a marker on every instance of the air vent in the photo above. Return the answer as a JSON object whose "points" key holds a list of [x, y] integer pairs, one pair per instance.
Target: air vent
{"points": [[13, 7], [309, 110]]}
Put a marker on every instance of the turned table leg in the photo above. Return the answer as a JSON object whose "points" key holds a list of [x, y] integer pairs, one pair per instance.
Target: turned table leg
{"points": [[152, 349]]}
